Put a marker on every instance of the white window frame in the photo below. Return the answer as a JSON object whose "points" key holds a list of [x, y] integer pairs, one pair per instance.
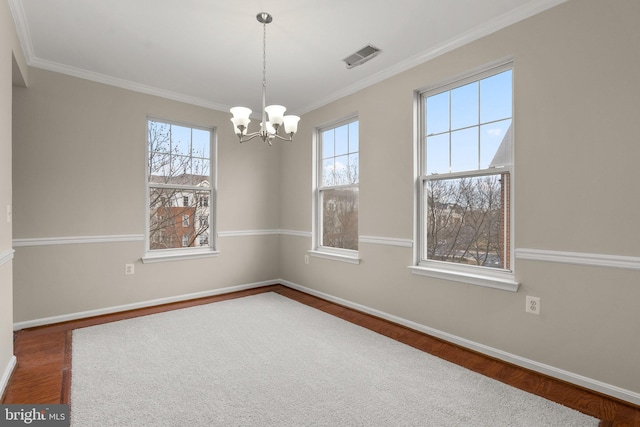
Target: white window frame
{"points": [[182, 253], [476, 275], [318, 250]]}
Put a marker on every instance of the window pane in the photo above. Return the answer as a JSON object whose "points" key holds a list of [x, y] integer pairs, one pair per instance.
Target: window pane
{"points": [[181, 140], [180, 165], [464, 150], [342, 140], [158, 166], [159, 137], [328, 144], [340, 218], [328, 173], [171, 221], [201, 143], [437, 109], [466, 220], [353, 137], [438, 154], [496, 97], [354, 168], [495, 144], [341, 171], [464, 106], [200, 169]]}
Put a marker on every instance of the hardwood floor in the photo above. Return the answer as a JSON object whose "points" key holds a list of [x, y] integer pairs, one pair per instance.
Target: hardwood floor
{"points": [[43, 372]]}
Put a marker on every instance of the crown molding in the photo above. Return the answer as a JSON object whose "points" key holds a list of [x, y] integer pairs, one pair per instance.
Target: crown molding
{"points": [[124, 84], [22, 29], [24, 35], [519, 14]]}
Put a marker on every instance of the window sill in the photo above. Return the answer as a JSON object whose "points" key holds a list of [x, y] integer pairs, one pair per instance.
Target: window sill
{"points": [[150, 258], [352, 259], [497, 280]]}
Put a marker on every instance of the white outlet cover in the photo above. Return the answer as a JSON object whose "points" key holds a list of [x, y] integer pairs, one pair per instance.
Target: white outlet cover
{"points": [[129, 269], [532, 305]]}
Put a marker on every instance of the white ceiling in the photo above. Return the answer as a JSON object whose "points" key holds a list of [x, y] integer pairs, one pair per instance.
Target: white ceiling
{"points": [[209, 52]]}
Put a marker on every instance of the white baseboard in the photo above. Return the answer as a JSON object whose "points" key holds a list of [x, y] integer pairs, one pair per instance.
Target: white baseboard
{"points": [[6, 375], [589, 383], [134, 306]]}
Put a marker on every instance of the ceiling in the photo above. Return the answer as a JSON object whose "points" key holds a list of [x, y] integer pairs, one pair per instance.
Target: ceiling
{"points": [[209, 52]]}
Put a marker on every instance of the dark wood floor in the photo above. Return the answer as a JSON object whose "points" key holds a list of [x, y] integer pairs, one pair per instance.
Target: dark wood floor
{"points": [[43, 372]]}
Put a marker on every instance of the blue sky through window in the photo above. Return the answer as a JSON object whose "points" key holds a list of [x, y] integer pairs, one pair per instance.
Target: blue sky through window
{"points": [[466, 125], [340, 155]]}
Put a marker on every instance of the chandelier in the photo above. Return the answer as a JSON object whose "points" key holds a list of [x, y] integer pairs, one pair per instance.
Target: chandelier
{"points": [[277, 120]]}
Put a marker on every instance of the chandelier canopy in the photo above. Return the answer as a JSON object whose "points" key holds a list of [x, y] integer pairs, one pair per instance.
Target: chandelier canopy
{"points": [[277, 120]]}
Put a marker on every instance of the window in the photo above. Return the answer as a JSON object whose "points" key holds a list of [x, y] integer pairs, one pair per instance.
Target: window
{"points": [[337, 189], [179, 174], [466, 169]]}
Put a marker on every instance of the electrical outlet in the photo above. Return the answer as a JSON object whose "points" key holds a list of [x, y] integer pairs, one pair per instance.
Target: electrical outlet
{"points": [[128, 269], [533, 305], [306, 259], [9, 213]]}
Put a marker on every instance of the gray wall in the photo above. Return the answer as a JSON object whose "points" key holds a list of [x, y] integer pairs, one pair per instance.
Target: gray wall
{"points": [[576, 71], [78, 170], [12, 68]]}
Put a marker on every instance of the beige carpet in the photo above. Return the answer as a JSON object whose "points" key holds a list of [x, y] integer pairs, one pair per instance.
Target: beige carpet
{"points": [[265, 360]]}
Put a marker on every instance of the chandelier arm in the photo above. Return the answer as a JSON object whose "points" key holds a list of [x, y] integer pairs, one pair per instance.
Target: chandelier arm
{"points": [[288, 138], [249, 136]]}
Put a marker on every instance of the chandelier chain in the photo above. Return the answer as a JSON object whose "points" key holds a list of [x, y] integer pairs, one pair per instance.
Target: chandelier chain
{"points": [[264, 54]]}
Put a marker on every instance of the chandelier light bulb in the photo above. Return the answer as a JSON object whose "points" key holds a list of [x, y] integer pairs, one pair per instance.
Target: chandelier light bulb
{"points": [[276, 113], [291, 124]]}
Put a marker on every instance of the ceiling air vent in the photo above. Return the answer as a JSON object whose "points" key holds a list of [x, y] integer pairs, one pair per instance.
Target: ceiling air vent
{"points": [[361, 56]]}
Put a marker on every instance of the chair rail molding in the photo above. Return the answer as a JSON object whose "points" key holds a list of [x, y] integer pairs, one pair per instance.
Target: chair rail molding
{"points": [[74, 240], [579, 258], [6, 256]]}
